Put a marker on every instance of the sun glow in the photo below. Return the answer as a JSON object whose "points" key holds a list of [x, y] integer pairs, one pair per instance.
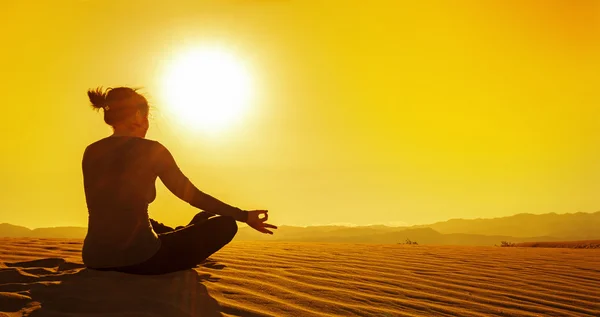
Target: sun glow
{"points": [[207, 89]]}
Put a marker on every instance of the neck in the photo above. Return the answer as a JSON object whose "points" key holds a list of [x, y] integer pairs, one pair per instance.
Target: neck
{"points": [[127, 133]]}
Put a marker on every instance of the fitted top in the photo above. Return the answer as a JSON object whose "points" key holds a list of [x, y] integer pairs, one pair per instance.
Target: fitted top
{"points": [[119, 175]]}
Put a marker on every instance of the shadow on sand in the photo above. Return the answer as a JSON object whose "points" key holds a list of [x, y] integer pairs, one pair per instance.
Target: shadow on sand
{"points": [[54, 287]]}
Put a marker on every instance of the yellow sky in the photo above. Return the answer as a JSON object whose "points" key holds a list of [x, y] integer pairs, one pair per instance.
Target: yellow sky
{"points": [[365, 112]]}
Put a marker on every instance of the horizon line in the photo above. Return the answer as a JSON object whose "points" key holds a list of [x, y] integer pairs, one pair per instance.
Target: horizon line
{"points": [[391, 224]]}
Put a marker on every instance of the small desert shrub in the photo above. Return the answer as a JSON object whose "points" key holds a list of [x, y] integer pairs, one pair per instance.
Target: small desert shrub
{"points": [[408, 241], [507, 244]]}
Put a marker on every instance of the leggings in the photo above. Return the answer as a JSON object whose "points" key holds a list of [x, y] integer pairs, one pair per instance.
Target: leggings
{"points": [[185, 247]]}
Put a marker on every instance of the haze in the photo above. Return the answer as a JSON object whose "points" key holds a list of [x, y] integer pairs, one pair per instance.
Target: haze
{"points": [[387, 113]]}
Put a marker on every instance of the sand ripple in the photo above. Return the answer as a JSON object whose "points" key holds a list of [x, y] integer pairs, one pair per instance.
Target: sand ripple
{"points": [[44, 277]]}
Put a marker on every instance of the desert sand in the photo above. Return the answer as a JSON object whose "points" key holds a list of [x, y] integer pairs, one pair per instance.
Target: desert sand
{"points": [[45, 277]]}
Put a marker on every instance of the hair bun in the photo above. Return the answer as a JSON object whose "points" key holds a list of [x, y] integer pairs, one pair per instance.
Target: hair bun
{"points": [[98, 97]]}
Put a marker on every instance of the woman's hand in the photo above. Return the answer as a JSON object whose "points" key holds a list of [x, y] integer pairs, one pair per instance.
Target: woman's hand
{"points": [[258, 223]]}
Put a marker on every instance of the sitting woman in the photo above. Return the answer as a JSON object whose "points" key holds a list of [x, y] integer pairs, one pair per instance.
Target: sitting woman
{"points": [[119, 173]]}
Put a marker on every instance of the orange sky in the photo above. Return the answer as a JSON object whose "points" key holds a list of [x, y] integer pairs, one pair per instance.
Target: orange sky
{"points": [[396, 112]]}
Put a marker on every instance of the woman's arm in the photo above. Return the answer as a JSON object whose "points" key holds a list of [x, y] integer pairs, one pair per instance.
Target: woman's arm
{"points": [[170, 174]]}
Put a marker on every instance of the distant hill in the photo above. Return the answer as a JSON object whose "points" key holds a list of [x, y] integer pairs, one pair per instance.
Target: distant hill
{"points": [[575, 226], [8, 230], [516, 229]]}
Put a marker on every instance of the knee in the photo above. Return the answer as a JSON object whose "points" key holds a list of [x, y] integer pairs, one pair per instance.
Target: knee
{"points": [[232, 226], [228, 227], [201, 217]]}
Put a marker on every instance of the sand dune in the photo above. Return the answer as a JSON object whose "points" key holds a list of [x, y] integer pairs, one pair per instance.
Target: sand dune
{"points": [[44, 277]]}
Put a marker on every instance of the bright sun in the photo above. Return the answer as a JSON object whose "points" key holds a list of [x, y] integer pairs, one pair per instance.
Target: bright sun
{"points": [[207, 89]]}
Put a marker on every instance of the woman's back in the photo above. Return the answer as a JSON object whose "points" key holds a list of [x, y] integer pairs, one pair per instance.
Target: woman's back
{"points": [[119, 174]]}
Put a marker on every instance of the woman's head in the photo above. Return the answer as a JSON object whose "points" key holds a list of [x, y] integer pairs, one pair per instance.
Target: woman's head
{"points": [[124, 108]]}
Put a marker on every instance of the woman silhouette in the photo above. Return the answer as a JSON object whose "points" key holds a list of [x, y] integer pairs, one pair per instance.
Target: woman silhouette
{"points": [[119, 173]]}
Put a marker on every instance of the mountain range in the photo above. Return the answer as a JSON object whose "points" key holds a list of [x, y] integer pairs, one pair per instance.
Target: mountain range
{"points": [[518, 228]]}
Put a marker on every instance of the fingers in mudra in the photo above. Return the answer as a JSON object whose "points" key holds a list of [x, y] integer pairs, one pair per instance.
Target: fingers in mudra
{"points": [[258, 223], [263, 228]]}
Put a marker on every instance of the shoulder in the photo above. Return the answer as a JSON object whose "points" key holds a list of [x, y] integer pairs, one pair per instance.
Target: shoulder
{"points": [[157, 152], [94, 147], [95, 144], [154, 146]]}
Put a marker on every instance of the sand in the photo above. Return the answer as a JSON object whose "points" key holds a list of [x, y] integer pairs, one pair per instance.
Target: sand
{"points": [[45, 277]]}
